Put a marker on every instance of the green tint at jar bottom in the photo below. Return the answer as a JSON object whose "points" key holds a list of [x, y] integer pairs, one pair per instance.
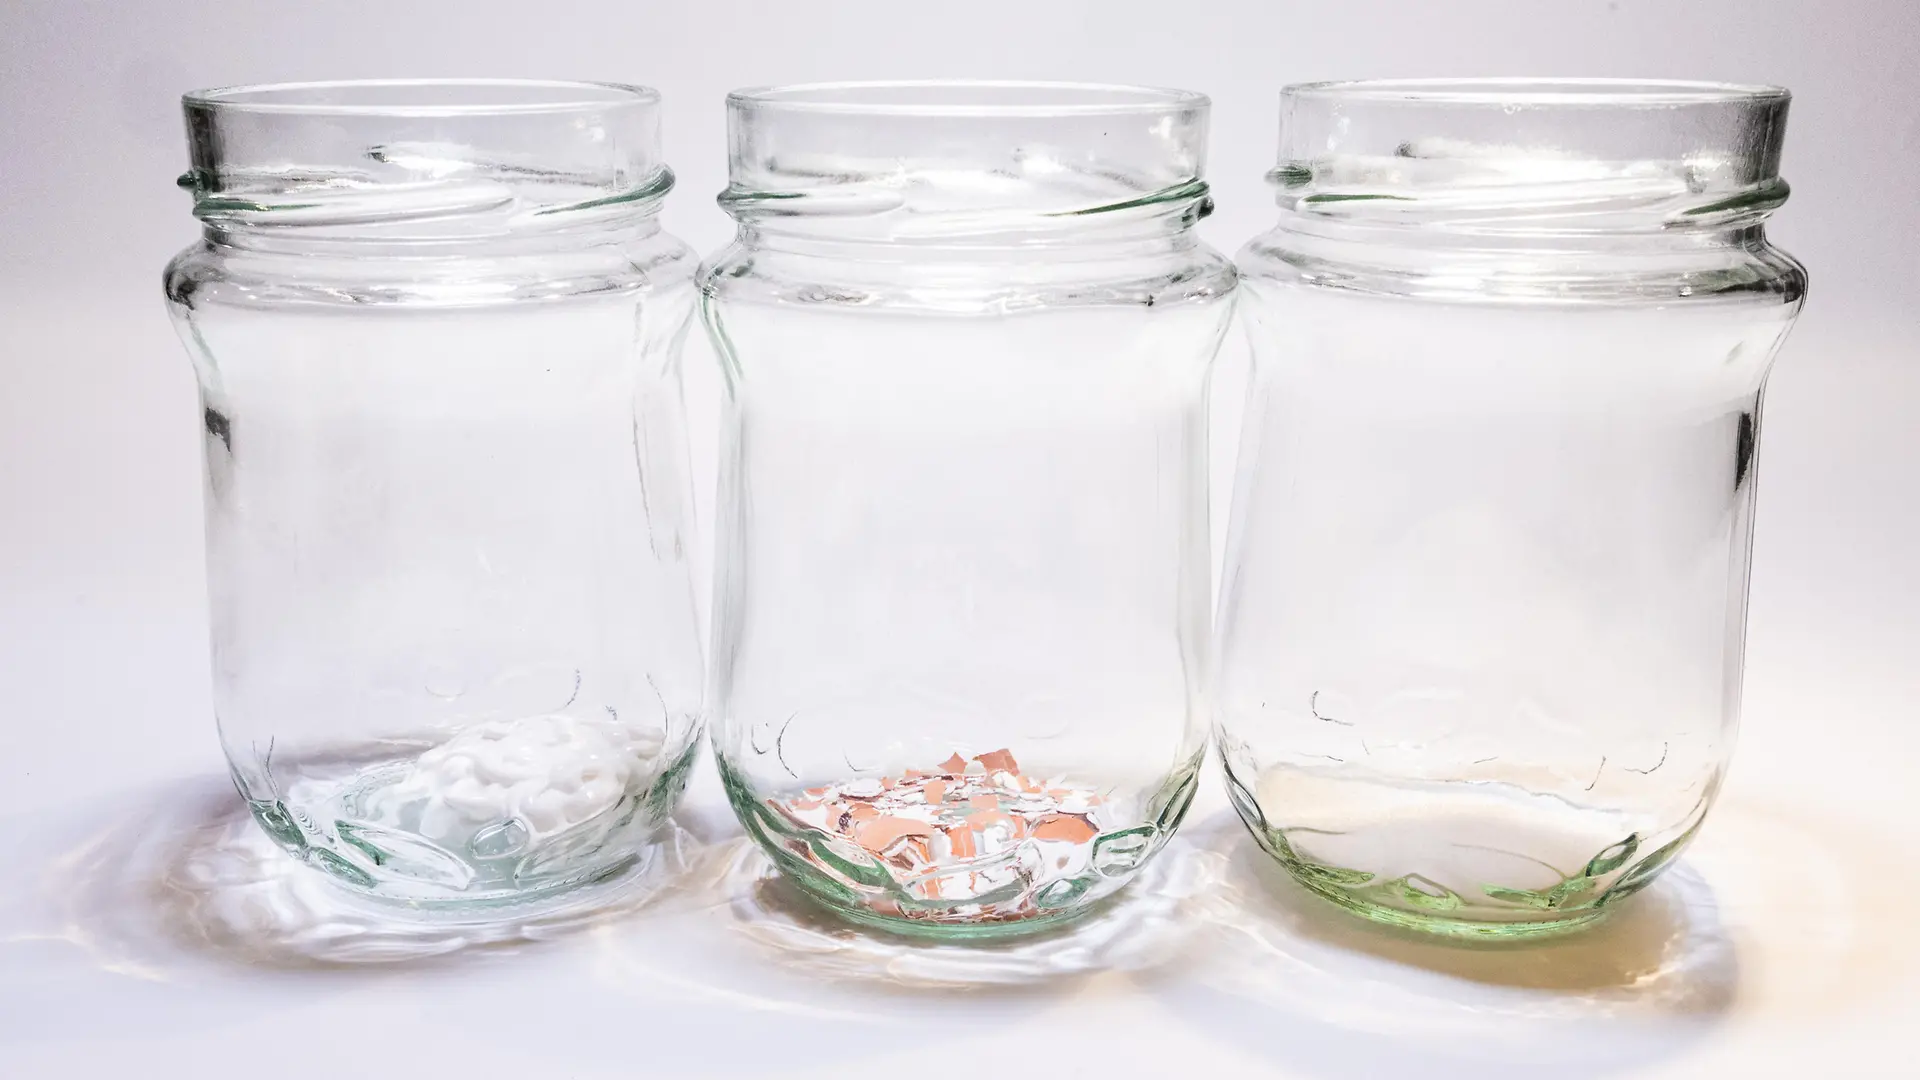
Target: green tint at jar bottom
{"points": [[1314, 877], [1429, 872], [967, 849]]}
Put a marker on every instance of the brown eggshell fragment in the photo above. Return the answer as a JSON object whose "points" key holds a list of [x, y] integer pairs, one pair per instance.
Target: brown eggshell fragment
{"points": [[1069, 827], [997, 761], [962, 841], [877, 834]]}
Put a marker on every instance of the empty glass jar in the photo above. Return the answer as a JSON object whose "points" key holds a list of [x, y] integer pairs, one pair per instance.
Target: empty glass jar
{"points": [[962, 579], [1485, 595], [436, 327]]}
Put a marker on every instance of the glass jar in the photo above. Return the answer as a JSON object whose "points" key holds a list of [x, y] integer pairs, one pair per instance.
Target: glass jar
{"points": [[962, 579], [436, 327], [1485, 591]]}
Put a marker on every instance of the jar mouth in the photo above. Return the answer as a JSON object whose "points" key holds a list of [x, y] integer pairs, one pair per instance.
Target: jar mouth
{"points": [[1615, 93], [965, 161], [1518, 155], [965, 98], [422, 97], [425, 159]]}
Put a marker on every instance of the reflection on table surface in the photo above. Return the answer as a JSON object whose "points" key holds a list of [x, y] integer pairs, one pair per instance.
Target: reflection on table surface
{"points": [[1773, 917]]}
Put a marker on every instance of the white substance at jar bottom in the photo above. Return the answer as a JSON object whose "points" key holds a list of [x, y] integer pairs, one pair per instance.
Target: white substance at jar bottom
{"points": [[550, 773]]}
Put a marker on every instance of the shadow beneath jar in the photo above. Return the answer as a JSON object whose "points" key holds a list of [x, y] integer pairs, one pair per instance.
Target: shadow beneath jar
{"points": [[1291, 975], [188, 871], [1143, 926]]}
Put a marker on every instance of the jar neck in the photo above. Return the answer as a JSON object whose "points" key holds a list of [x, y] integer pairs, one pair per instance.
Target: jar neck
{"points": [[1141, 256], [1582, 232], [870, 224], [485, 227], [1732, 264], [1519, 199]]}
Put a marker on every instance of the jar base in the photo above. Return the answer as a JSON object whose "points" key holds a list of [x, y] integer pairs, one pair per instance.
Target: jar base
{"points": [[375, 827], [1445, 926], [930, 930], [968, 849], [592, 889], [1475, 861]]}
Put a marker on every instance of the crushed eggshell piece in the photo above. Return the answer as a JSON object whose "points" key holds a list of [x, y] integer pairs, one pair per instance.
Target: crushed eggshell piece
{"points": [[1068, 827], [949, 837], [997, 761]]}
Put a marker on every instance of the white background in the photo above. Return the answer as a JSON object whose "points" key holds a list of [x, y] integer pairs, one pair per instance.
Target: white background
{"points": [[1784, 943]]}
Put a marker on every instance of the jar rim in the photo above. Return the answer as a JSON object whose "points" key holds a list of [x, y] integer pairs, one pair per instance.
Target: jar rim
{"points": [[965, 98], [422, 97], [1616, 93]]}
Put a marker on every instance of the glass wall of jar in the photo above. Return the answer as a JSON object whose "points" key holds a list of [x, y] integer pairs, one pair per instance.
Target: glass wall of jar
{"points": [[962, 577], [1485, 593], [436, 327]]}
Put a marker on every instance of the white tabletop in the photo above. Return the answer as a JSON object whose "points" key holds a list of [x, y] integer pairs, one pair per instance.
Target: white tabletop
{"points": [[146, 929]]}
